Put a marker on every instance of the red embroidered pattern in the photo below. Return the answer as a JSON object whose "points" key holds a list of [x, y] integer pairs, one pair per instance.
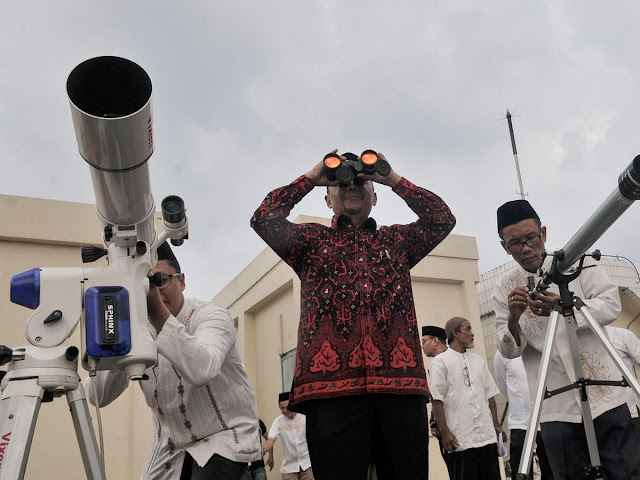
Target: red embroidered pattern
{"points": [[358, 331]]}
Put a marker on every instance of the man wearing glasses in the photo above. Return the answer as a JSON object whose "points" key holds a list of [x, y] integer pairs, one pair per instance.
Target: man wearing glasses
{"points": [[464, 406], [521, 325], [204, 412]]}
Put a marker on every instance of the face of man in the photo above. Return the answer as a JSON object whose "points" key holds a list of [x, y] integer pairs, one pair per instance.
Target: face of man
{"points": [[354, 201], [429, 344], [172, 295], [524, 241], [465, 336], [283, 409]]}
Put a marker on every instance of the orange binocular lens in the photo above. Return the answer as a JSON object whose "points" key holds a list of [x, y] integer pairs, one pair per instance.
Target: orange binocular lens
{"points": [[369, 157], [332, 161]]}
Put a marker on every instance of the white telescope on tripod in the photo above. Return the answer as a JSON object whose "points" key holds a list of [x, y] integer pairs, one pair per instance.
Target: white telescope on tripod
{"points": [[110, 101], [565, 267]]}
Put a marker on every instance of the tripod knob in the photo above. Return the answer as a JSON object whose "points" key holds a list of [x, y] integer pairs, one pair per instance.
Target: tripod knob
{"points": [[6, 354], [91, 253], [71, 353]]}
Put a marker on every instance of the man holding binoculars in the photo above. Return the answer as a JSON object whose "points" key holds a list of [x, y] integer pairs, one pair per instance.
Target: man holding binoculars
{"points": [[359, 374]]}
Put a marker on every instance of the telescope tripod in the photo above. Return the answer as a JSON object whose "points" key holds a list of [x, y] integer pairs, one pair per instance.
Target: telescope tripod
{"points": [[565, 306], [36, 375]]}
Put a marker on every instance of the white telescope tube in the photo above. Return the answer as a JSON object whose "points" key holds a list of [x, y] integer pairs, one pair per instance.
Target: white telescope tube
{"points": [[110, 101]]}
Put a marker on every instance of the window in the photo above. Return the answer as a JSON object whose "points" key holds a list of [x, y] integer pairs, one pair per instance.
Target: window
{"points": [[288, 363]]}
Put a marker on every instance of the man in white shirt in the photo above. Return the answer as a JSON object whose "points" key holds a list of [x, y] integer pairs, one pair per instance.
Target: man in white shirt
{"points": [[628, 346], [291, 427], [434, 342], [463, 393], [204, 412], [512, 382], [521, 326]]}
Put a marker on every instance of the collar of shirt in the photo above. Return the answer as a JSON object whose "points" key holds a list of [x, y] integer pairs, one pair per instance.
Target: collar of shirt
{"points": [[342, 222]]}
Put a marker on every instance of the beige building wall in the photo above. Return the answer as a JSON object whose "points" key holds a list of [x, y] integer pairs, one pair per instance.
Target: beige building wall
{"points": [[45, 233], [264, 299]]}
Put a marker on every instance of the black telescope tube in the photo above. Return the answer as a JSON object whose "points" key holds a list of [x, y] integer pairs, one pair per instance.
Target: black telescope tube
{"points": [[616, 204]]}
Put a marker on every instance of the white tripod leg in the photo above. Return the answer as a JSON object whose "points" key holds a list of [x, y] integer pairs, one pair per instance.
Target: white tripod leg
{"points": [[19, 409], [534, 421], [85, 434]]}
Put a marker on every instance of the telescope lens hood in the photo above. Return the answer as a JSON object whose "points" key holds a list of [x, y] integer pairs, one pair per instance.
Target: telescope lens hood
{"points": [[109, 87], [629, 180]]}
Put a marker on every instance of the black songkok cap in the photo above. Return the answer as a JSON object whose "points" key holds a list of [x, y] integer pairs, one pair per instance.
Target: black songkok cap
{"points": [[513, 212], [165, 253], [435, 332], [283, 397]]}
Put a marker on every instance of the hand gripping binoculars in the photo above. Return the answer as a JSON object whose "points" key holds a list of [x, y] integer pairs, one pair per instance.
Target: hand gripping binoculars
{"points": [[346, 171]]}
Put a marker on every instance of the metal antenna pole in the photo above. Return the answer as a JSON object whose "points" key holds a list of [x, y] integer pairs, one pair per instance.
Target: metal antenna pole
{"points": [[515, 154]]}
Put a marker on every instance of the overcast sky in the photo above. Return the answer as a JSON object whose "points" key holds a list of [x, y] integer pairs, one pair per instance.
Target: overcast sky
{"points": [[249, 95]]}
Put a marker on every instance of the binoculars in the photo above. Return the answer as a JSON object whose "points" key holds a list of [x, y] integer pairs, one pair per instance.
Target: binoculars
{"points": [[346, 171]]}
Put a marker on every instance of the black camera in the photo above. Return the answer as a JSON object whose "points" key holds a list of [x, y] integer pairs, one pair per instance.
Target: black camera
{"points": [[346, 171]]}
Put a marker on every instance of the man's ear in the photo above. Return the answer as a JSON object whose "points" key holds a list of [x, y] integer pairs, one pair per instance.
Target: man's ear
{"points": [[504, 245], [327, 199], [543, 230], [183, 283], [375, 198]]}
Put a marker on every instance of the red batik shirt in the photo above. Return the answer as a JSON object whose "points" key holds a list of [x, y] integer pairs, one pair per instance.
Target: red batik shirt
{"points": [[358, 331]]}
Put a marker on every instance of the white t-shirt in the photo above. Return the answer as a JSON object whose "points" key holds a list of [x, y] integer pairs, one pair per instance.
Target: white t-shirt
{"points": [[293, 433], [463, 383]]}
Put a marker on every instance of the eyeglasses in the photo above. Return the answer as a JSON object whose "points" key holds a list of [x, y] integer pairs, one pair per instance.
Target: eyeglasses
{"points": [[425, 338], [166, 280], [465, 372], [516, 246]]}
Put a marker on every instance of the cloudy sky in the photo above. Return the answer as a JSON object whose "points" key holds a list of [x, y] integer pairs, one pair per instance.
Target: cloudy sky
{"points": [[249, 95]]}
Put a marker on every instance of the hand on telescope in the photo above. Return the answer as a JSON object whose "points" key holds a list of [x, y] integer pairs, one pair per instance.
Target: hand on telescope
{"points": [[517, 304], [543, 302], [156, 309]]}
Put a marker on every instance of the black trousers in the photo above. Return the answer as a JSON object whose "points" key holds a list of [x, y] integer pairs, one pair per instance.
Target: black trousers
{"points": [[346, 434], [618, 443], [475, 463], [516, 444], [217, 468]]}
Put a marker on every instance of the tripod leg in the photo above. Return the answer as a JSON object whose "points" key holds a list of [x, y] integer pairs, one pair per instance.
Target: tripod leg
{"points": [[530, 438], [85, 434], [587, 418], [19, 409]]}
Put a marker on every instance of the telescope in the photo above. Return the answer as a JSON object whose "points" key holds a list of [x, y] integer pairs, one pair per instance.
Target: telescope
{"points": [[110, 99], [561, 271], [627, 192]]}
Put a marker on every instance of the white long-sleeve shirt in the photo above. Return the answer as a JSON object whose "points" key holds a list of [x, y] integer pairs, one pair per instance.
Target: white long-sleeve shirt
{"points": [[198, 392], [512, 382], [601, 297], [628, 346]]}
